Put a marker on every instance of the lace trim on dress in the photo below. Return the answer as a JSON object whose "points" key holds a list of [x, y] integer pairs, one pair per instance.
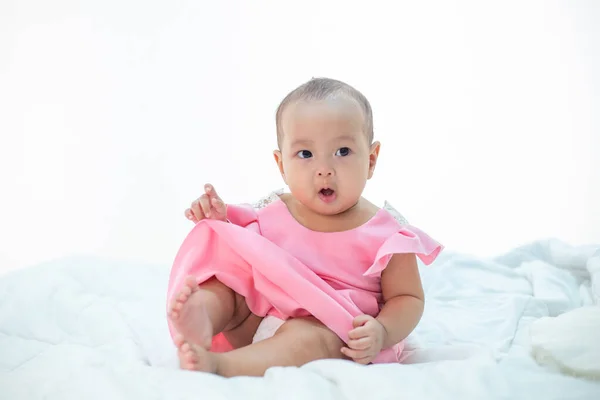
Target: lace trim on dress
{"points": [[265, 201]]}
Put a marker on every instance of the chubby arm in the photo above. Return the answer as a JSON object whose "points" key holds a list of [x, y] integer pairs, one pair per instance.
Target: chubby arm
{"points": [[400, 314], [403, 298]]}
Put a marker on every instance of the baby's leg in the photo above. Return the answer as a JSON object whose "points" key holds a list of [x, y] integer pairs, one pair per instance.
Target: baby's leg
{"points": [[296, 343], [198, 312]]}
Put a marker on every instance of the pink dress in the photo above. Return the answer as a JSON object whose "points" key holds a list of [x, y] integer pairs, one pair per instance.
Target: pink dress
{"points": [[286, 270]]}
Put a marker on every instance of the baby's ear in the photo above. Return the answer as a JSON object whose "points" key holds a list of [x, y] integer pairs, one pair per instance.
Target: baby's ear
{"points": [[279, 160], [373, 155]]}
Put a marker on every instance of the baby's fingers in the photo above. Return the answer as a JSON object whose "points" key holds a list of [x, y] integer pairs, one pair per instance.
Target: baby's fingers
{"points": [[358, 333], [210, 191], [190, 215], [355, 354], [360, 344], [219, 206], [196, 210], [205, 205]]}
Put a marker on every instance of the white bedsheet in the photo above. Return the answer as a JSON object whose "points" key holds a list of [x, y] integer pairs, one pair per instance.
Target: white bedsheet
{"points": [[95, 329]]}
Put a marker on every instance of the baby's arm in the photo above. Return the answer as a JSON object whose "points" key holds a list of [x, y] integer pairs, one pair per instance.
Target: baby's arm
{"points": [[403, 308], [403, 296]]}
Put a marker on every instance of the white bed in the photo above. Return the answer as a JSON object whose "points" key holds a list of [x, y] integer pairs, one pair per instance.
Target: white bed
{"points": [[87, 328]]}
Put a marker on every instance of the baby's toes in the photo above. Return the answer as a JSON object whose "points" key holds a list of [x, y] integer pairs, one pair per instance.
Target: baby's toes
{"points": [[189, 359], [185, 347], [176, 306], [173, 311], [184, 293], [185, 361], [191, 284], [190, 356], [179, 341]]}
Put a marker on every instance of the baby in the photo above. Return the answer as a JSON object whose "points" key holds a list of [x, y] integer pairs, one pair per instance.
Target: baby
{"points": [[317, 273]]}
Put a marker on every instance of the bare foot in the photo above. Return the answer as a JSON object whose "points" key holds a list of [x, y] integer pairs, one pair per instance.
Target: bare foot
{"points": [[189, 317], [195, 358]]}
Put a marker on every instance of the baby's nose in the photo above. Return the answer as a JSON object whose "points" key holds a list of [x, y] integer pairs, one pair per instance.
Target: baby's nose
{"points": [[325, 171]]}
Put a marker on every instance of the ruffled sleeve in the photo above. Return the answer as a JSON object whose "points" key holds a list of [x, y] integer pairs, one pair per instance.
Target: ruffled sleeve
{"points": [[408, 239]]}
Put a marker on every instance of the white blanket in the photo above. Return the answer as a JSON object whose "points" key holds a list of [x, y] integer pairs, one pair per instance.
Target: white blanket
{"points": [[95, 329]]}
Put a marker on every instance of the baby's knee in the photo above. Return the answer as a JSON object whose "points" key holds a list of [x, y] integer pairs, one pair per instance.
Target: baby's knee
{"points": [[313, 336], [241, 312], [329, 342]]}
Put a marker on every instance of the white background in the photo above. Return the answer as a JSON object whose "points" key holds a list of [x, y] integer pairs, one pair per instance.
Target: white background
{"points": [[113, 114]]}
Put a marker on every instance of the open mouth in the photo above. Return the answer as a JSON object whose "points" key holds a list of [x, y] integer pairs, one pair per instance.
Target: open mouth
{"points": [[327, 195]]}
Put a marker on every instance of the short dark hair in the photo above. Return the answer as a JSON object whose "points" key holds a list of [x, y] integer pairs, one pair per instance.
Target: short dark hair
{"points": [[320, 89]]}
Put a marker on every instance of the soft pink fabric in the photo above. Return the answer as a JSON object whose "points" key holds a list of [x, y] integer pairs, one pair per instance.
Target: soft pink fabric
{"points": [[284, 269]]}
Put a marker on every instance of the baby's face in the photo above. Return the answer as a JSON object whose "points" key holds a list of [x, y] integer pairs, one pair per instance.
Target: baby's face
{"points": [[325, 158]]}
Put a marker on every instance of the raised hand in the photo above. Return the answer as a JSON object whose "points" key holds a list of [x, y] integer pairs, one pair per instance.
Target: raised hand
{"points": [[209, 206]]}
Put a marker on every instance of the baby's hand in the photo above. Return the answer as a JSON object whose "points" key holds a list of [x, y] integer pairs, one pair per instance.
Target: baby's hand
{"points": [[366, 339], [209, 205]]}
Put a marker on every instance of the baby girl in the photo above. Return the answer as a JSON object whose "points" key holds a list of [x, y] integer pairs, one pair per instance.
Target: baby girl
{"points": [[316, 273]]}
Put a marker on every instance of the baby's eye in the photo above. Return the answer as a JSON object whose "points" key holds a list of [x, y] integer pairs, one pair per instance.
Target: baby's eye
{"points": [[344, 151], [304, 154]]}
